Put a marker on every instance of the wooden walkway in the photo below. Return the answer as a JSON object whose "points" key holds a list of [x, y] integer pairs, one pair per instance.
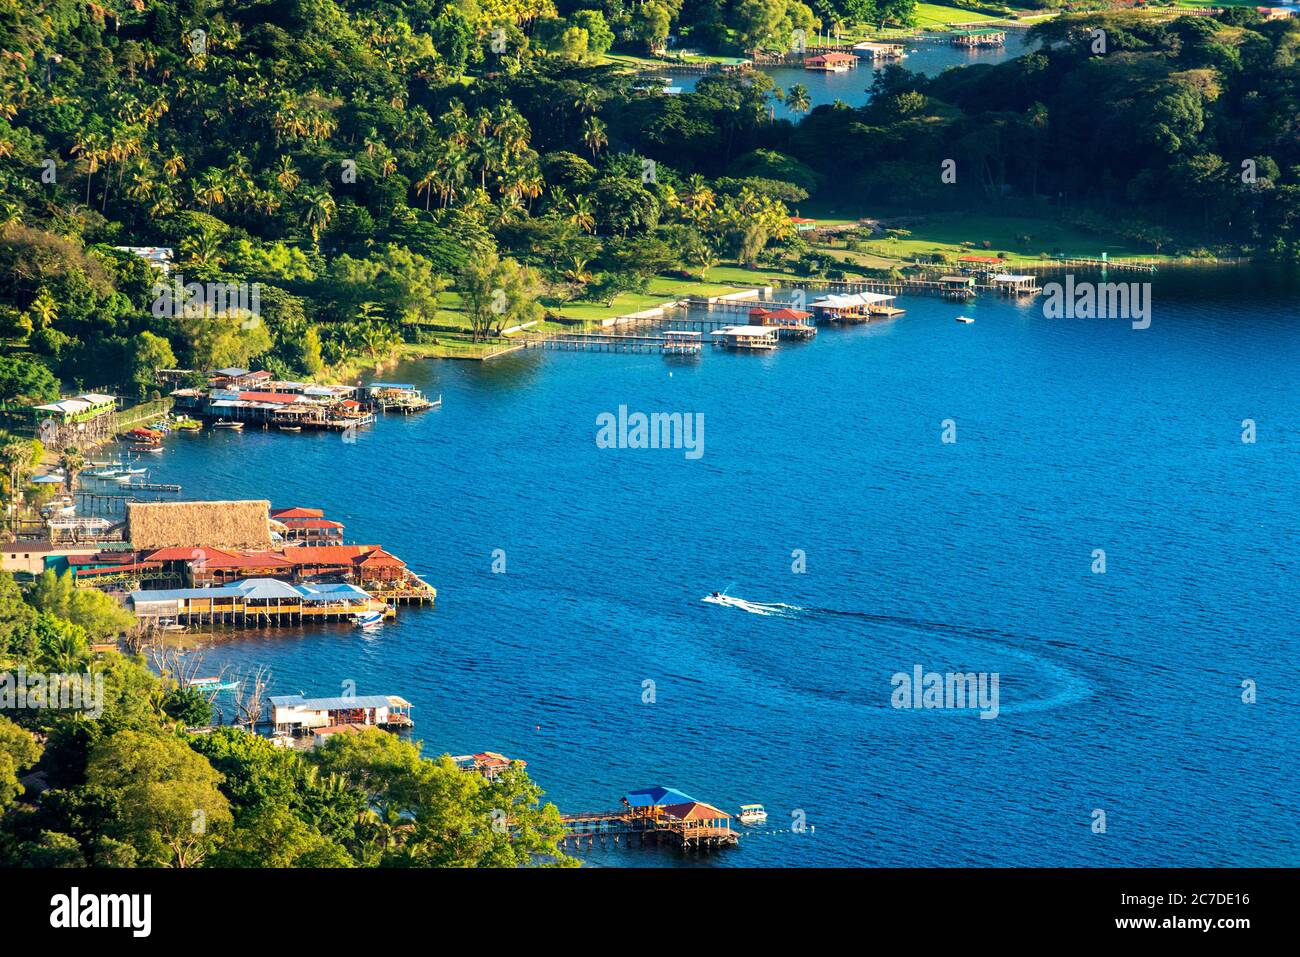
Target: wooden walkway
{"points": [[610, 342], [1121, 265]]}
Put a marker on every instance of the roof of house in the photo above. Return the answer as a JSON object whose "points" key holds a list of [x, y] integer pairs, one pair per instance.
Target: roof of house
{"points": [[694, 811], [296, 512], [743, 331], [310, 523], [153, 525], [848, 300], [781, 315], [283, 398], [656, 797], [231, 373], [329, 704], [258, 589]]}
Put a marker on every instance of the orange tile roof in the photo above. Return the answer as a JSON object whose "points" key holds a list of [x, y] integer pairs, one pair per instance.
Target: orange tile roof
{"points": [[310, 523], [296, 512]]}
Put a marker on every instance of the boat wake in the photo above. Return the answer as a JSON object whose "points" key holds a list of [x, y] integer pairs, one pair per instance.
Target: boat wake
{"points": [[1068, 686], [770, 609]]}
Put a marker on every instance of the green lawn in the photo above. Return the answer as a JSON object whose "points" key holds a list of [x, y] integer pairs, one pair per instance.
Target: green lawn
{"points": [[1021, 237], [932, 15]]}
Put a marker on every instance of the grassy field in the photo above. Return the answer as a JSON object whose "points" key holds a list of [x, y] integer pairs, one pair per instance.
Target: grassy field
{"points": [[1018, 237], [930, 15]]}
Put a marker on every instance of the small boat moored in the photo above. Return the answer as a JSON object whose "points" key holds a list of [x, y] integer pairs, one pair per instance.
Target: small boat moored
{"points": [[227, 424], [213, 684], [965, 320], [371, 619], [751, 814]]}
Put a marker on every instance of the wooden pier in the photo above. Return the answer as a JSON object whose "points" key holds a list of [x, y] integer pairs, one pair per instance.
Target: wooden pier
{"points": [[614, 342], [627, 827], [1087, 262]]}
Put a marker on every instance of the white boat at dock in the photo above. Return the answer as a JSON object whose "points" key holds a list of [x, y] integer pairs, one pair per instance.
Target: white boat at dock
{"points": [[371, 619], [752, 814]]}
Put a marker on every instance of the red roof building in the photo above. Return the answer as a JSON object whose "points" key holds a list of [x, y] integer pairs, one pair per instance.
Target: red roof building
{"points": [[280, 514]]}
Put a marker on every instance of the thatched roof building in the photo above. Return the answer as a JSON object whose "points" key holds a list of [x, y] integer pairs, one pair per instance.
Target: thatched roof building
{"points": [[185, 524]]}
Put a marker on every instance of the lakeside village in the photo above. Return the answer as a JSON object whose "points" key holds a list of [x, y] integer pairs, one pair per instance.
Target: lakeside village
{"points": [[200, 566], [204, 567]]}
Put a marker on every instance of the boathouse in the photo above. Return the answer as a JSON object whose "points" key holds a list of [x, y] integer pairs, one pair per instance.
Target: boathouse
{"points": [[971, 39], [396, 397], [959, 288], [681, 342], [1016, 285], [745, 337], [855, 307], [292, 714], [788, 323], [871, 50], [831, 62]]}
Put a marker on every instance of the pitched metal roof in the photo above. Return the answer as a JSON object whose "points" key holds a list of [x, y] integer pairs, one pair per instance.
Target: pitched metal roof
{"points": [[330, 704], [656, 796]]}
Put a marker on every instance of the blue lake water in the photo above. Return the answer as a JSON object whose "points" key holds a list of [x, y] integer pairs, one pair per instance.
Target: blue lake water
{"points": [[1119, 692], [853, 86]]}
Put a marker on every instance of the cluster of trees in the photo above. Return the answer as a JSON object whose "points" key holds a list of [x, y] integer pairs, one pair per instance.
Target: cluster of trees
{"points": [[125, 784], [364, 162], [1179, 129]]}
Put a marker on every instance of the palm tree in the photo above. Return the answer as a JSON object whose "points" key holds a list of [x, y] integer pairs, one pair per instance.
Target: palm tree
{"points": [[579, 212], [286, 174], [594, 135], [425, 184], [318, 211], [72, 462], [798, 99], [93, 148]]}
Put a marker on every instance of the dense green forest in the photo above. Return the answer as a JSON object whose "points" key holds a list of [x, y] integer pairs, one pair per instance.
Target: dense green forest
{"points": [[122, 783], [376, 165]]}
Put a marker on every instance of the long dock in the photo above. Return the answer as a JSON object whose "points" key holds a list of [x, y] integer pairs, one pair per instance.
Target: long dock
{"points": [[612, 342]]}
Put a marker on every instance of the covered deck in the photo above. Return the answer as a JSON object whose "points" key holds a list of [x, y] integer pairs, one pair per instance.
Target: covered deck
{"points": [[747, 338]]}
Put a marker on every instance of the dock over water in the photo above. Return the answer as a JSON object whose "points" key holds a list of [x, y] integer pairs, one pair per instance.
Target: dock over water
{"points": [[655, 815]]}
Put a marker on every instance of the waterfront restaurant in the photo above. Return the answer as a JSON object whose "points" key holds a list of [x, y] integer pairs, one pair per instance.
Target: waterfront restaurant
{"points": [[648, 803], [318, 531], [291, 714], [696, 823], [745, 337], [79, 409], [855, 307], [262, 600]]}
